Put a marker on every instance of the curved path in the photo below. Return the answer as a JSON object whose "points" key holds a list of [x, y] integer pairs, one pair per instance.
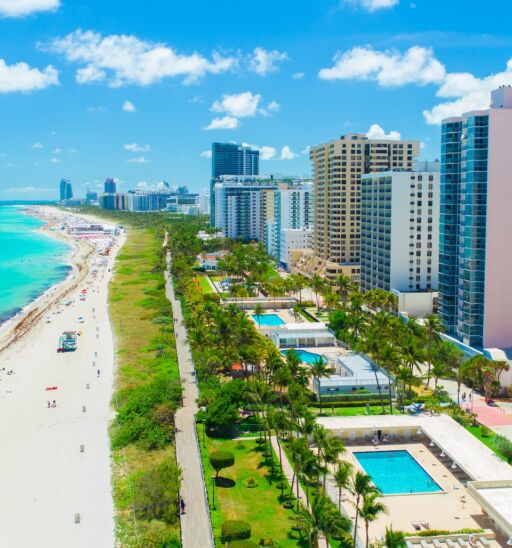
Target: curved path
{"points": [[195, 522]]}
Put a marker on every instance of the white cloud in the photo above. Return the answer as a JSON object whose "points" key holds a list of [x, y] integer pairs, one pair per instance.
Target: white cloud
{"points": [[372, 5], [298, 75], [134, 147], [72, 150], [273, 106], [239, 105], [21, 77], [25, 189], [20, 8], [264, 62], [55, 161], [206, 154], [305, 150], [128, 106], [90, 74], [96, 109], [376, 132], [226, 122], [139, 160], [417, 65], [266, 152], [57, 151], [37, 145], [287, 153], [468, 93], [126, 59]]}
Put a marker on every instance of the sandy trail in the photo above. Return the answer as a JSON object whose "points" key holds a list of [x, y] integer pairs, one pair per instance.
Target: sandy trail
{"points": [[45, 478]]}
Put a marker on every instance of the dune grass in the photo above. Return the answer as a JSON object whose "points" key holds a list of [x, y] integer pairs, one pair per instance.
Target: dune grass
{"points": [[141, 320]]}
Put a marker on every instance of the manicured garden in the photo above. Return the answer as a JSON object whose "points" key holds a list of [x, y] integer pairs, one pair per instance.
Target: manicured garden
{"points": [[247, 491]]}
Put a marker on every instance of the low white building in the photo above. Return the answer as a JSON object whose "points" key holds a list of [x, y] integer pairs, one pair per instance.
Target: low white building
{"points": [[303, 335], [293, 238]]}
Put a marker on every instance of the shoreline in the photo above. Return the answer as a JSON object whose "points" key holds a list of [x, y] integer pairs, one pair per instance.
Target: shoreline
{"points": [[20, 324], [69, 261], [55, 466]]}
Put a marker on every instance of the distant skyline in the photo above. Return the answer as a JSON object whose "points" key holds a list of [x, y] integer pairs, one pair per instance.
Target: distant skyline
{"points": [[90, 90]]}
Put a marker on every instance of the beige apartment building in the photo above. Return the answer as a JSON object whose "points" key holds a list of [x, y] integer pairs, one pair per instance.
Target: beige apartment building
{"points": [[338, 166]]}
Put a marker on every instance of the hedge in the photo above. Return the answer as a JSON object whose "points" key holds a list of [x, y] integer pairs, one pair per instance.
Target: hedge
{"points": [[235, 530], [360, 403]]}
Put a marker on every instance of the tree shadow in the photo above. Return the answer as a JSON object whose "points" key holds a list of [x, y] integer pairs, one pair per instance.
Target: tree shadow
{"points": [[225, 482]]}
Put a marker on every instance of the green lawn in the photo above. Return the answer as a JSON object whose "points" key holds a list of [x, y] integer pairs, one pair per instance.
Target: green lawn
{"points": [[486, 440], [352, 411], [204, 285], [260, 505]]}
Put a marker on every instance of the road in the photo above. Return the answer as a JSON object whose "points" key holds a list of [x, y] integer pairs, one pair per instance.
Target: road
{"points": [[195, 522]]}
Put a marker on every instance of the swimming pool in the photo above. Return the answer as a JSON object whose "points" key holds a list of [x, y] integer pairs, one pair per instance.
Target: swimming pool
{"points": [[267, 320], [396, 472], [304, 355]]}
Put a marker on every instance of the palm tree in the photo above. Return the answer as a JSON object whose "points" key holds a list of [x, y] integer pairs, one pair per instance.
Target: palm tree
{"points": [[319, 369], [258, 312], [343, 284], [370, 510], [388, 356], [279, 422], [317, 284], [433, 327], [342, 477], [361, 485], [394, 539], [331, 300]]}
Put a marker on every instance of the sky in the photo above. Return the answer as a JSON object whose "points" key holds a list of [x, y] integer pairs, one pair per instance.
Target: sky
{"points": [[139, 90]]}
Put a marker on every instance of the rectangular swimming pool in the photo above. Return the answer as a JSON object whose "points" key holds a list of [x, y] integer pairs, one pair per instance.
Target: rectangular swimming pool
{"points": [[267, 320], [396, 472], [304, 356]]}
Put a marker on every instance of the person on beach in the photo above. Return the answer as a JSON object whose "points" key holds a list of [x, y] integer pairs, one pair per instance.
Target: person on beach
{"points": [[98, 372], [54, 404], [182, 505], [49, 404]]}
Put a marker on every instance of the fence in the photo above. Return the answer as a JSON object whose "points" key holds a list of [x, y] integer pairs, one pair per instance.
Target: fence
{"points": [[205, 490]]}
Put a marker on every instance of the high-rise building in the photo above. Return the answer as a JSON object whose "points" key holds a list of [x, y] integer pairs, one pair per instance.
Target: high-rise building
{"points": [[231, 159], [400, 234], [475, 299], [110, 186], [238, 206], [91, 196], [288, 207], [338, 166], [116, 201], [66, 190]]}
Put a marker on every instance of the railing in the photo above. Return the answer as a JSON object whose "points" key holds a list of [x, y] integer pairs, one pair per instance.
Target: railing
{"points": [[205, 490]]}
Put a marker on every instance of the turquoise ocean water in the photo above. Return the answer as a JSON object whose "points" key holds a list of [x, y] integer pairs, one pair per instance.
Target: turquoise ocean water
{"points": [[30, 262]]}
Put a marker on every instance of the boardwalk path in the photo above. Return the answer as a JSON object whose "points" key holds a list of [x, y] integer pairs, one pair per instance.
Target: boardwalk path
{"points": [[195, 522]]}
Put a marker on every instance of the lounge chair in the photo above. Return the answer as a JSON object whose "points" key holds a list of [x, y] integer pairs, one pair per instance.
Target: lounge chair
{"points": [[484, 541], [438, 543], [409, 544], [462, 542], [450, 543], [424, 543]]}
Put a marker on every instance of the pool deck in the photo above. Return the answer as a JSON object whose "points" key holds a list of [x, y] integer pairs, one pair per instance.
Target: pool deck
{"points": [[477, 460], [451, 509]]}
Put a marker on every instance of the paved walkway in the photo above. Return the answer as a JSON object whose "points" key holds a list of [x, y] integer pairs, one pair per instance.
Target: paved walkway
{"points": [[495, 417], [195, 522]]}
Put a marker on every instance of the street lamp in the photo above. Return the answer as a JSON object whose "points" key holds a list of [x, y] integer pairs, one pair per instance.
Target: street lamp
{"points": [[213, 493]]}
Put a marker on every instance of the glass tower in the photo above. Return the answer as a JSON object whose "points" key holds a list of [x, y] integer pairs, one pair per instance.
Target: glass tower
{"points": [[231, 159]]}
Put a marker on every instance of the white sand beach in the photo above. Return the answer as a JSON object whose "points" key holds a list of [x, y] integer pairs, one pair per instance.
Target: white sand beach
{"points": [[55, 465]]}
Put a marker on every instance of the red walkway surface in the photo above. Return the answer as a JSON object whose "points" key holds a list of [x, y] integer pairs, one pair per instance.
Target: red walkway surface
{"points": [[487, 414]]}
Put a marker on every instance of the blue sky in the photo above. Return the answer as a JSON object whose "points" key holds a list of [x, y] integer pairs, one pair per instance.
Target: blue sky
{"points": [[139, 90]]}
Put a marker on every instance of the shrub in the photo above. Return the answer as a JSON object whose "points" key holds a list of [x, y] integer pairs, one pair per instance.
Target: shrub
{"points": [[235, 530], [251, 482], [268, 542], [503, 446], [485, 431], [220, 460], [288, 504], [155, 493], [243, 544]]}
